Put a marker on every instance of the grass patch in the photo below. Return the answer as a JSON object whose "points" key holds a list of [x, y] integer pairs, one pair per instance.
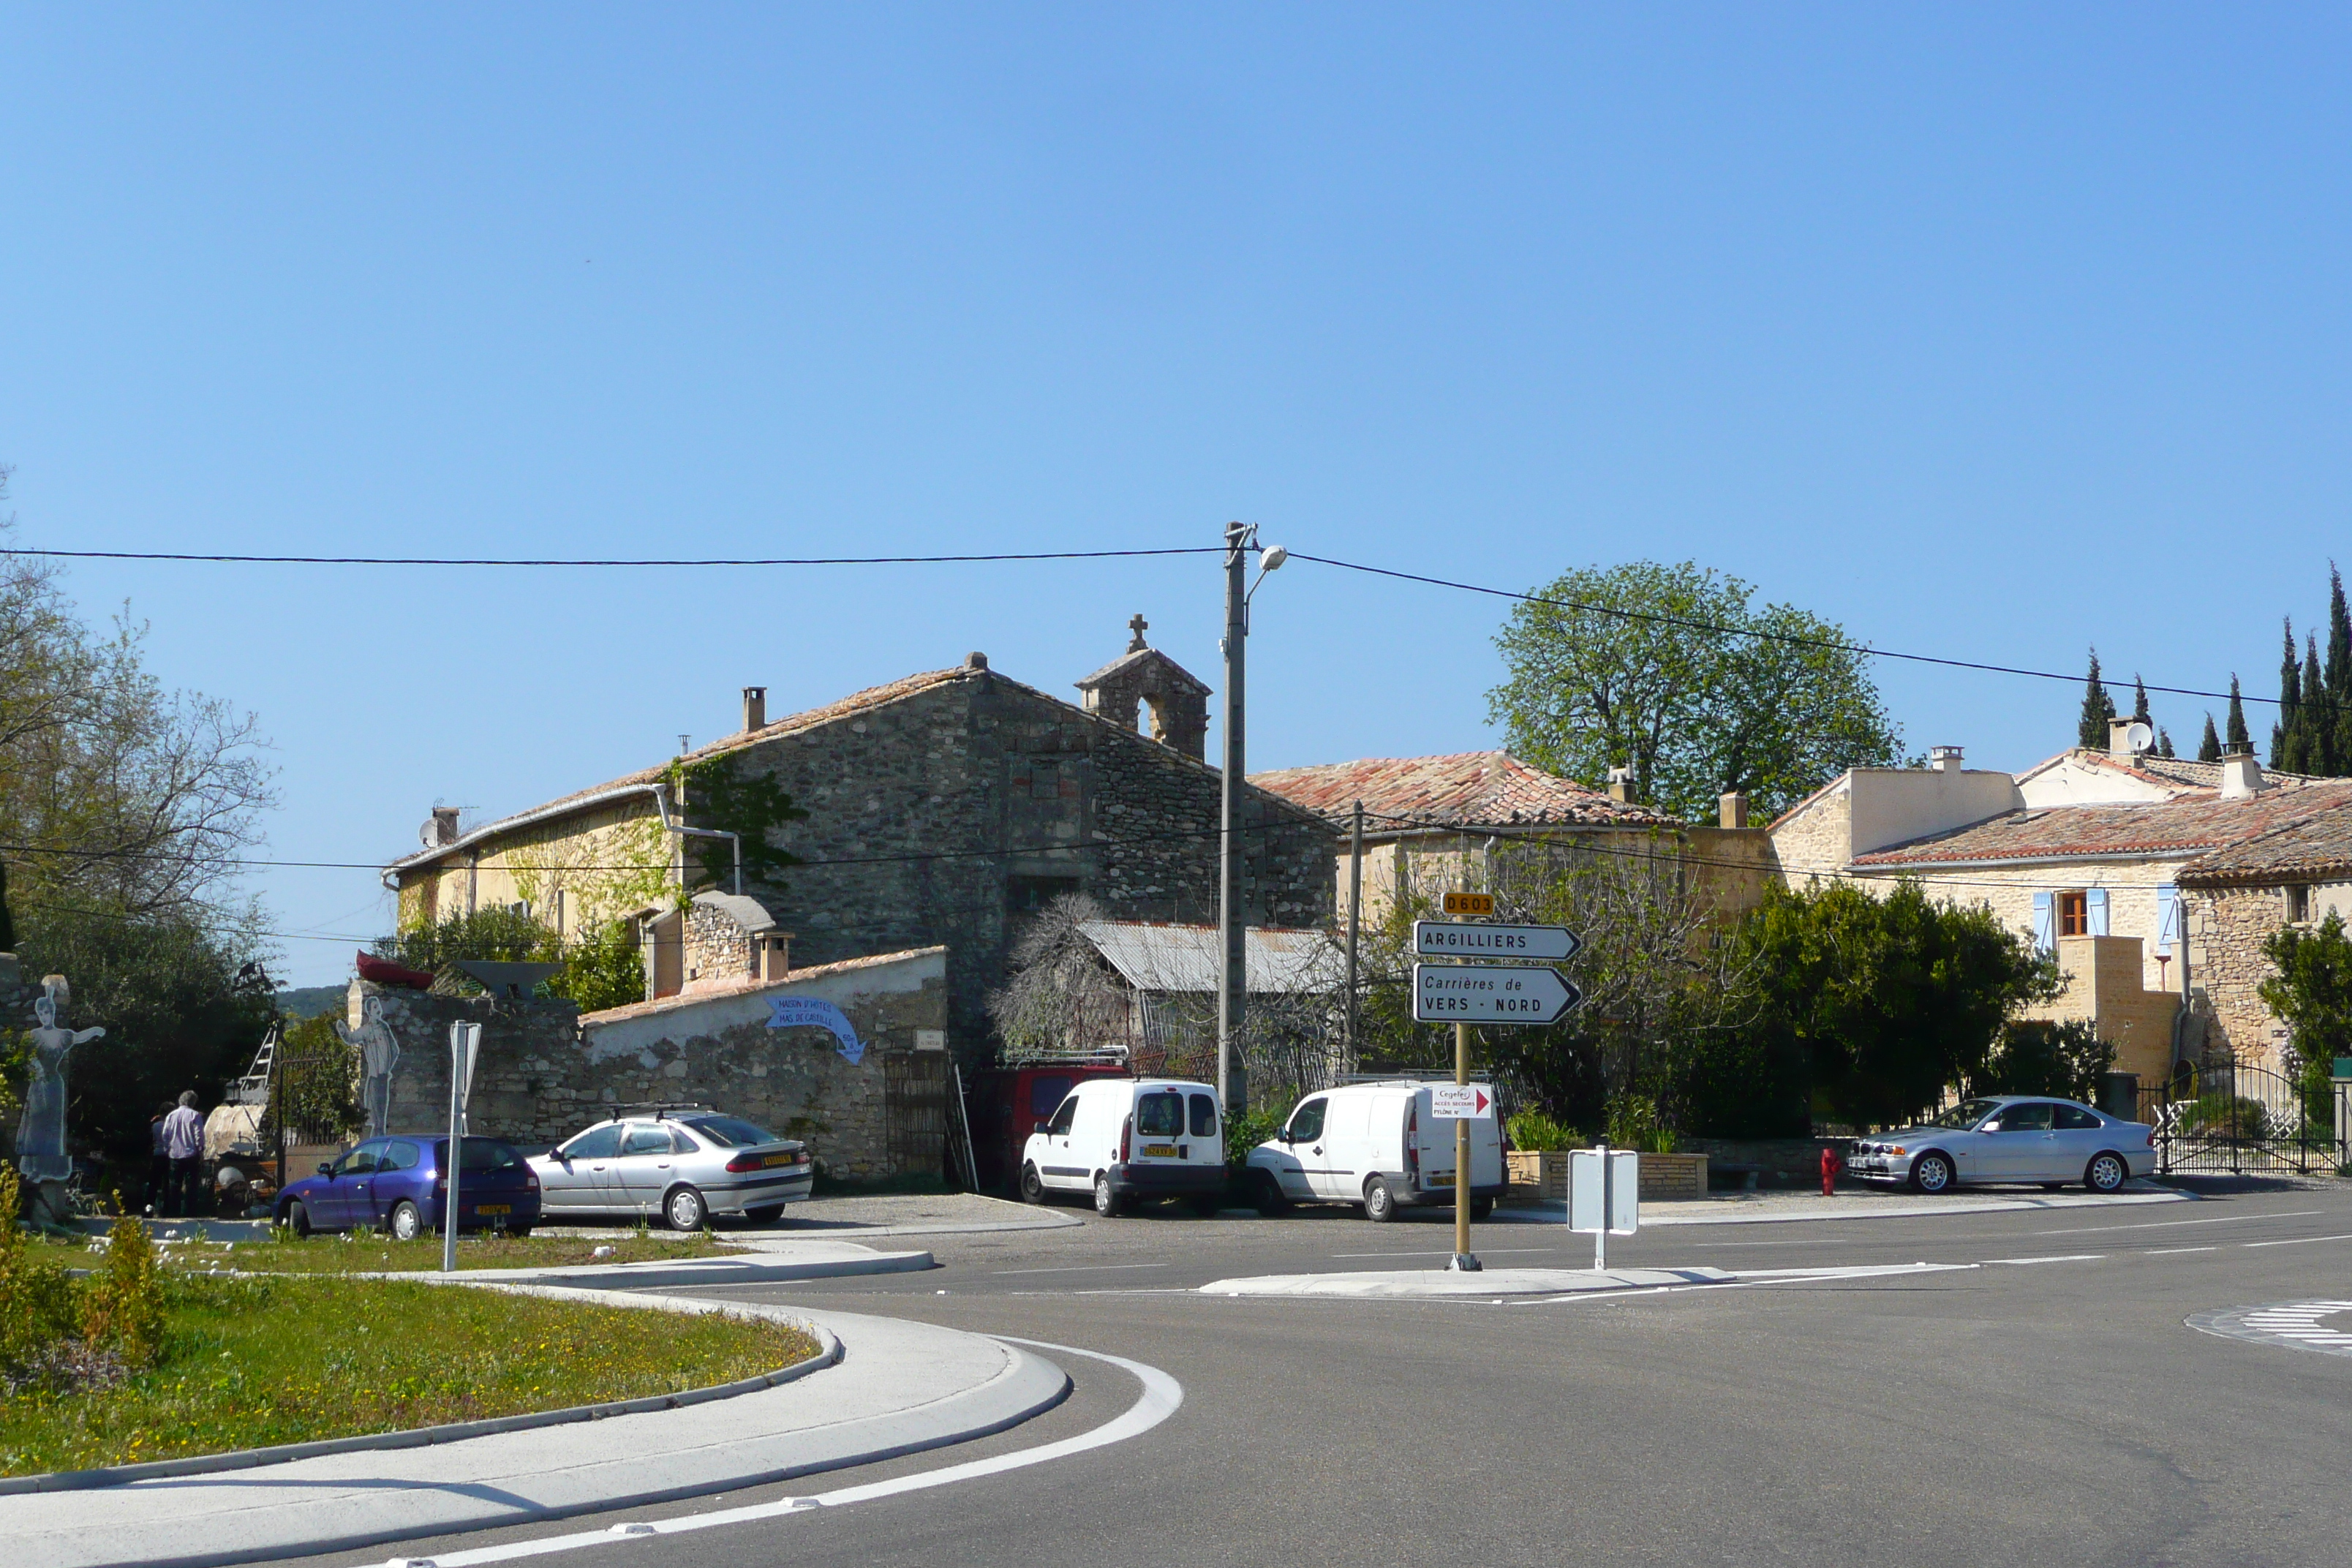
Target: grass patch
{"points": [[247, 1362], [353, 1253]]}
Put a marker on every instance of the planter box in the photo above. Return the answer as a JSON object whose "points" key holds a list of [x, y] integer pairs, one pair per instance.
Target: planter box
{"points": [[1544, 1175]]}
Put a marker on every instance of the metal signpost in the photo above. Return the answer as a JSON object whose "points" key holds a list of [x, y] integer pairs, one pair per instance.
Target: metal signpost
{"points": [[465, 1045], [1604, 1195], [1501, 990]]}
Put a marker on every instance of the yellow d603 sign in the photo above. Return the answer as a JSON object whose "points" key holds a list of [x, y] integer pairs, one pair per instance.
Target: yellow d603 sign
{"points": [[1470, 903]]}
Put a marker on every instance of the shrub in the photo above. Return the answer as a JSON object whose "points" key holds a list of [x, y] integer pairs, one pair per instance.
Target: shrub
{"points": [[1533, 1130], [1633, 1124], [36, 1307], [1246, 1131], [2211, 1116], [123, 1304]]}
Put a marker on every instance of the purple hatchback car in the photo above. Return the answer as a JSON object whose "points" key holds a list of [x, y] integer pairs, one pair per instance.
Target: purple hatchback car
{"points": [[396, 1185]]}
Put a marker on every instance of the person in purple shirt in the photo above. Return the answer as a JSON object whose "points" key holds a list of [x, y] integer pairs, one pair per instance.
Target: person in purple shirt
{"points": [[184, 1144]]}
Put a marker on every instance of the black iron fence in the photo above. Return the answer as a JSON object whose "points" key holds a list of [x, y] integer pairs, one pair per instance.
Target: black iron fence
{"points": [[2241, 1119]]}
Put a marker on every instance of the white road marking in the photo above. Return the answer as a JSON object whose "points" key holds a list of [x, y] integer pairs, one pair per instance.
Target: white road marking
{"points": [[2295, 1324], [1160, 1399], [2297, 1241], [2166, 1223], [2168, 1251], [1079, 1268], [1448, 1252], [2069, 1258]]}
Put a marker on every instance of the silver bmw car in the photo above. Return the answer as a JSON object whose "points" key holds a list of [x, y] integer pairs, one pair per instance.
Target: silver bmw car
{"points": [[2009, 1137], [679, 1165]]}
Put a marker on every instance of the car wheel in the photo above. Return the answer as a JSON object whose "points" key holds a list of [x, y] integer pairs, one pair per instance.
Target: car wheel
{"points": [[685, 1210], [2105, 1174], [764, 1212], [1481, 1208], [1107, 1203], [298, 1218], [1931, 1173], [1271, 1202], [1380, 1204], [1033, 1185], [406, 1224]]}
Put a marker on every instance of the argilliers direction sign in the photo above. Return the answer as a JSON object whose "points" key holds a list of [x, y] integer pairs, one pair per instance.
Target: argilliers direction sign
{"points": [[1450, 939], [1489, 993]]}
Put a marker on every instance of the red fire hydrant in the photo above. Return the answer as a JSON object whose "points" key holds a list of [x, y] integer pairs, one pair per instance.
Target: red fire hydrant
{"points": [[1830, 1167]]}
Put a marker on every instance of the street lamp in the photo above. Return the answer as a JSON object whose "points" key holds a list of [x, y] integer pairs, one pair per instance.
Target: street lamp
{"points": [[1233, 923]]}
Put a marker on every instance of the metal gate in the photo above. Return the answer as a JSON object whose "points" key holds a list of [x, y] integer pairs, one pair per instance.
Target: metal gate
{"points": [[313, 1095], [2239, 1119], [914, 1108]]}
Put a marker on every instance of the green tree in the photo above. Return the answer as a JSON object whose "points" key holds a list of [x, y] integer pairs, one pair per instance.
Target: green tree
{"points": [[2286, 735], [1891, 1000], [2035, 1055], [2098, 708], [2140, 702], [2208, 750], [1669, 671], [2239, 737], [2311, 990], [601, 967], [2318, 735], [2163, 743], [716, 792], [2334, 714]]}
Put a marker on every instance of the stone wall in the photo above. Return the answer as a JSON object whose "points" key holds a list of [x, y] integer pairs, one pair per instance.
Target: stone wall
{"points": [[545, 1072], [2227, 928]]}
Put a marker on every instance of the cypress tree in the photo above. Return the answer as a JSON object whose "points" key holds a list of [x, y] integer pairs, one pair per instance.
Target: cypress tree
{"points": [[2318, 734], [2238, 736], [2098, 709], [2335, 715], [2285, 738], [2164, 743], [2140, 714], [2208, 750]]}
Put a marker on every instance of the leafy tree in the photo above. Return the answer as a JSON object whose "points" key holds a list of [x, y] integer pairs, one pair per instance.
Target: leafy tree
{"points": [[603, 966], [1669, 671], [1890, 1000], [2311, 991], [2098, 708], [2038, 1057], [2208, 750]]}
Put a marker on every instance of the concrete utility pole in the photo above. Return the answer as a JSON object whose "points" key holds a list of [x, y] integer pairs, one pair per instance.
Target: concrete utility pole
{"points": [[1232, 920], [1355, 909]]}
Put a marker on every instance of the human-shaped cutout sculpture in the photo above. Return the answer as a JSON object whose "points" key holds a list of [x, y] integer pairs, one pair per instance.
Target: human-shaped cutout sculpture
{"points": [[41, 1132], [379, 1055]]}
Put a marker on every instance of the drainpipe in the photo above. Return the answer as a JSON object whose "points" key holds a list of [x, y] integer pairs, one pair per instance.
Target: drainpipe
{"points": [[661, 800], [1355, 907]]}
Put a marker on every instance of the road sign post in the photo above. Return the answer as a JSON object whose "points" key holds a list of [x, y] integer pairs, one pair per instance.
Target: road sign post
{"points": [[1502, 990]]}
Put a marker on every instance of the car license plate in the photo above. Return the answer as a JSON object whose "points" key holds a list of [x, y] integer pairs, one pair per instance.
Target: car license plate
{"points": [[1161, 1150], [775, 1160], [1438, 1179], [494, 1208]]}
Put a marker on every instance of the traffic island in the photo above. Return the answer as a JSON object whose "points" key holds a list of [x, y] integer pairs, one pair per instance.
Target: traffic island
{"points": [[1404, 1284]]}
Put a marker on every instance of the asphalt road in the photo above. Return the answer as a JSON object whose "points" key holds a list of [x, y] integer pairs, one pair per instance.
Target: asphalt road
{"points": [[2044, 1405]]}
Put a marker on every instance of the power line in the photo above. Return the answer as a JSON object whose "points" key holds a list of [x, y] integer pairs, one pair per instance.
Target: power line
{"points": [[552, 560], [1826, 644]]}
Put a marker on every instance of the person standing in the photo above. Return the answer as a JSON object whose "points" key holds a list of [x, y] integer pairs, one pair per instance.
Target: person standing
{"points": [[158, 1162], [183, 1143]]}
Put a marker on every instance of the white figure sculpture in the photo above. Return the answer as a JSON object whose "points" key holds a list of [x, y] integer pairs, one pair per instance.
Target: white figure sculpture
{"points": [[379, 1055], [41, 1133]]}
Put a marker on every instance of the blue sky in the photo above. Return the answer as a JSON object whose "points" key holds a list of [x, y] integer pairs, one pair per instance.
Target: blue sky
{"points": [[1987, 331]]}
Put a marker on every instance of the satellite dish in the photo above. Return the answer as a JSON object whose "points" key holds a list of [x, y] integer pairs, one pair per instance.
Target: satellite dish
{"points": [[2139, 737], [430, 835]]}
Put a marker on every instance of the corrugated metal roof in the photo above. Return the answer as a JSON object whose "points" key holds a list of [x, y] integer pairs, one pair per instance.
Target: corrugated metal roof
{"points": [[1186, 958]]}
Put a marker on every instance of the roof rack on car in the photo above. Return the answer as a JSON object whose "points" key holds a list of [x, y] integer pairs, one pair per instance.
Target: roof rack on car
{"points": [[659, 1107]]}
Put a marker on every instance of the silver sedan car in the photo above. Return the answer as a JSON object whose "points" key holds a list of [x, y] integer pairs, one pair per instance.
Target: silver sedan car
{"points": [[677, 1166], [2009, 1137]]}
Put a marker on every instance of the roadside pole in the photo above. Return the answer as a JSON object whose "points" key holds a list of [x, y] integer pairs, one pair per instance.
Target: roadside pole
{"points": [[465, 1044], [1463, 1262]]}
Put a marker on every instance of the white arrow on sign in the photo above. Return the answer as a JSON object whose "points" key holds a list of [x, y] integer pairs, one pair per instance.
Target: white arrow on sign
{"points": [[1461, 1102], [1489, 993], [1465, 939]]}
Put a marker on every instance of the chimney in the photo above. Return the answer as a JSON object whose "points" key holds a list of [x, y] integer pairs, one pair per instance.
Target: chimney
{"points": [[755, 708], [1621, 785], [2119, 739], [1732, 809], [2240, 775], [975, 661], [1944, 759], [444, 825]]}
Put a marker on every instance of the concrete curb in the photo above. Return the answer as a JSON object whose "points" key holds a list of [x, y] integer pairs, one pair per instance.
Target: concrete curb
{"points": [[1437, 1284], [1553, 1213], [352, 1501], [828, 1353], [741, 1269]]}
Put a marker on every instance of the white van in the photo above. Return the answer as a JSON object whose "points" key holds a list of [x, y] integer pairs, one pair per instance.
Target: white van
{"points": [[1375, 1145], [1123, 1139]]}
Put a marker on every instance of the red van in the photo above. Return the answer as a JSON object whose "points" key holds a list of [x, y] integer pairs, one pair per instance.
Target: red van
{"points": [[1009, 1104]]}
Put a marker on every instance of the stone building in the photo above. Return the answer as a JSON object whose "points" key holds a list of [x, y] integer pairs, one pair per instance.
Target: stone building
{"points": [[1429, 823], [2095, 855], [2296, 874], [942, 808]]}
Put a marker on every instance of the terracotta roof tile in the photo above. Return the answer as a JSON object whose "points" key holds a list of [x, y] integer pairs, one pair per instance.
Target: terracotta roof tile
{"points": [[2317, 847], [1478, 789], [2199, 821]]}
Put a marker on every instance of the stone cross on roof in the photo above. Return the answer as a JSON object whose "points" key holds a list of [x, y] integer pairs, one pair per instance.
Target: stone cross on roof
{"points": [[1137, 625]]}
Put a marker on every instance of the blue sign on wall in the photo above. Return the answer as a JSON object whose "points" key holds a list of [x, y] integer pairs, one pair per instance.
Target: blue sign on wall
{"points": [[792, 1012]]}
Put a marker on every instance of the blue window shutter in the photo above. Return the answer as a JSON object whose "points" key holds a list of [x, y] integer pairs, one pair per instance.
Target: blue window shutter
{"points": [[2045, 923], [2094, 909], [2168, 916]]}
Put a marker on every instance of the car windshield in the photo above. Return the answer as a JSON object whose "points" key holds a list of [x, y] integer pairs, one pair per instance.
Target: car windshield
{"points": [[480, 1155], [731, 1131], [1966, 1113]]}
